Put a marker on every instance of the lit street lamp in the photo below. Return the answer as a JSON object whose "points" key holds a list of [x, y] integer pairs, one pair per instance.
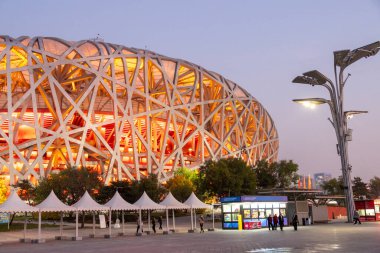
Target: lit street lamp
{"points": [[342, 59]]}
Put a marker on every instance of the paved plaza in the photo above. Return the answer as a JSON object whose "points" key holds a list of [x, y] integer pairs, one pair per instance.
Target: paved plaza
{"points": [[339, 237]]}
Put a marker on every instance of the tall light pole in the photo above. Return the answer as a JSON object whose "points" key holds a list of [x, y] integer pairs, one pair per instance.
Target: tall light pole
{"points": [[342, 59]]}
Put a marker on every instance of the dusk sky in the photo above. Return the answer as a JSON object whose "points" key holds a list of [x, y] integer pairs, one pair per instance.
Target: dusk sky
{"points": [[261, 45]]}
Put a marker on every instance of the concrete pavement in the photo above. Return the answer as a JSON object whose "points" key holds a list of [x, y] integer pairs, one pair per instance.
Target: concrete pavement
{"points": [[340, 237]]}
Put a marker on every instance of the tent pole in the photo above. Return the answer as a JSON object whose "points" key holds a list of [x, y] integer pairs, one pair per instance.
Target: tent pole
{"points": [[167, 220], [39, 225], [93, 222], [173, 220], [195, 219], [191, 216], [109, 222], [213, 217], [25, 226], [148, 220], [122, 220], [61, 225], [141, 225], [76, 225]]}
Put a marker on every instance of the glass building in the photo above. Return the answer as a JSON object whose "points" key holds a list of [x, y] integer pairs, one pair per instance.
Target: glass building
{"points": [[253, 210]]}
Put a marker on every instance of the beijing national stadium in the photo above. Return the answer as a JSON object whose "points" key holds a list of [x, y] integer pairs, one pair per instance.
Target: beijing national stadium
{"points": [[121, 111]]}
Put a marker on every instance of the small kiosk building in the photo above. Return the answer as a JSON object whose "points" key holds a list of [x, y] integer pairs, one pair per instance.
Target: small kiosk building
{"points": [[251, 211]]}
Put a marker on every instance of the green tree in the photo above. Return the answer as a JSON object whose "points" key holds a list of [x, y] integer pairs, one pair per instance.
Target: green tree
{"points": [[226, 177], [180, 186], [374, 187], [276, 175], [265, 174], [359, 188], [334, 186], [187, 173], [107, 191], [69, 185], [150, 185], [286, 172], [26, 190], [3, 190]]}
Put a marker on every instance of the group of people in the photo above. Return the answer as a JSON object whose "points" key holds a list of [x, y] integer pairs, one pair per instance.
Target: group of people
{"points": [[159, 220], [153, 223], [274, 221]]}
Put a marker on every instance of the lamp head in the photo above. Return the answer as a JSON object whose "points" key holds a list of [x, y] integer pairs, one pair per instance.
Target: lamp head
{"points": [[351, 114], [311, 102], [313, 77], [344, 58]]}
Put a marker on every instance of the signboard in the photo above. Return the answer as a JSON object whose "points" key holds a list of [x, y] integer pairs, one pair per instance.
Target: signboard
{"points": [[230, 199], [102, 221], [4, 218], [254, 199], [264, 198]]}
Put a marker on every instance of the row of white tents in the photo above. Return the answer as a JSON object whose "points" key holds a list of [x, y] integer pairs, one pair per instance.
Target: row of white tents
{"points": [[52, 204]]}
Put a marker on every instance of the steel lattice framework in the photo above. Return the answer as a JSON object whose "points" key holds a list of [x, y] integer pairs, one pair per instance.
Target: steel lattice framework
{"points": [[123, 111]]}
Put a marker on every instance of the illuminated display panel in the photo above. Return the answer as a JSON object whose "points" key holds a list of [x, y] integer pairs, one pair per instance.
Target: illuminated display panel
{"points": [[121, 111]]}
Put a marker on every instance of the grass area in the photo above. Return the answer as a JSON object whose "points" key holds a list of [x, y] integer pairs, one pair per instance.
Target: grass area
{"points": [[20, 226]]}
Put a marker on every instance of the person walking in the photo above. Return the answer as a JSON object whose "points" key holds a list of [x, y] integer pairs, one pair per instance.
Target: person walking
{"points": [[357, 217], [201, 223], [138, 226], [281, 221], [270, 222], [275, 221], [154, 224], [160, 222], [295, 221]]}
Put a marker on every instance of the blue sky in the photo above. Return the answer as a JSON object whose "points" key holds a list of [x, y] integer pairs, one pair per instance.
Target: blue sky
{"points": [[261, 45]]}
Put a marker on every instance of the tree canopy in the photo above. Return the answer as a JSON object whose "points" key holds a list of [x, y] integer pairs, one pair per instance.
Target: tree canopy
{"points": [[359, 188], [182, 184], [275, 175], [132, 191], [374, 187], [226, 177], [69, 185], [333, 186]]}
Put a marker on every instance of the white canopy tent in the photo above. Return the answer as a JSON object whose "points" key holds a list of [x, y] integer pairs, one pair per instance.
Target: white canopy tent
{"points": [[170, 202], [146, 203], [14, 204], [53, 204], [118, 203], [86, 203], [194, 203]]}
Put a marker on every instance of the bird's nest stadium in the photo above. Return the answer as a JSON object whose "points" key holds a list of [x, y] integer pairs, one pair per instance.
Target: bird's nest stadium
{"points": [[121, 111]]}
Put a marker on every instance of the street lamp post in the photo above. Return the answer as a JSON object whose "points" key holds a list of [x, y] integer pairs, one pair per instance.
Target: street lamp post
{"points": [[342, 59]]}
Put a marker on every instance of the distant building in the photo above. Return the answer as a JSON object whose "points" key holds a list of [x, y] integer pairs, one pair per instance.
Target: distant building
{"points": [[320, 178]]}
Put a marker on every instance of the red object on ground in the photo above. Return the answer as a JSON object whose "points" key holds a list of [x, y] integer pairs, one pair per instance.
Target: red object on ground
{"points": [[335, 211], [252, 225]]}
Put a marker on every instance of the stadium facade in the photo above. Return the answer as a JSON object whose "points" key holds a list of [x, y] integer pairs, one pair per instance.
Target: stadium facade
{"points": [[122, 111]]}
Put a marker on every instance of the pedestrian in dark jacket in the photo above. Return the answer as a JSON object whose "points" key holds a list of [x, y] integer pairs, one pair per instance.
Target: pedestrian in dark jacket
{"points": [[201, 223], [160, 222], [295, 221], [281, 221], [154, 225], [270, 222], [275, 221], [138, 226], [356, 217]]}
